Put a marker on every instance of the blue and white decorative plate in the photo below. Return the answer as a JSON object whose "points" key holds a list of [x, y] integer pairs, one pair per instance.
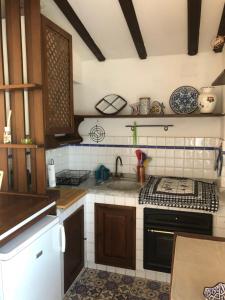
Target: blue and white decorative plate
{"points": [[216, 292], [184, 100]]}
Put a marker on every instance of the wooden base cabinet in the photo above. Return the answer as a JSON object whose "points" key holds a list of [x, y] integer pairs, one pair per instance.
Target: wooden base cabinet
{"points": [[74, 254], [115, 235]]}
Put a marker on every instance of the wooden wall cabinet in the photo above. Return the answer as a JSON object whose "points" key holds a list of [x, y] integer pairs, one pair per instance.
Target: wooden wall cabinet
{"points": [[74, 254], [115, 235], [57, 79], [57, 85]]}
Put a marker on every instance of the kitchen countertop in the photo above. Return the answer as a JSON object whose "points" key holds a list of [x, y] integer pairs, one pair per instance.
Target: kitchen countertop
{"points": [[91, 187], [69, 196], [17, 211]]}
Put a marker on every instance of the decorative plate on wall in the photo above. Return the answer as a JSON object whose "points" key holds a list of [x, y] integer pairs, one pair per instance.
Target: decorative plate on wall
{"points": [[184, 100], [111, 104]]}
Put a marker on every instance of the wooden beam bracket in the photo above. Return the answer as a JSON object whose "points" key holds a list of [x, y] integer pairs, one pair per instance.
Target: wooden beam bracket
{"points": [[194, 17], [74, 20], [132, 23]]}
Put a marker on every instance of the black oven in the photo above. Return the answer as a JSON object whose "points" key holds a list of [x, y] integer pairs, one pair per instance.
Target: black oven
{"points": [[159, 228]]}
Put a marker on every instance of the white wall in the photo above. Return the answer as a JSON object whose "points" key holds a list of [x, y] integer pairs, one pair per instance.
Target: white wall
{"points": [[156, 77], [183, 127]]}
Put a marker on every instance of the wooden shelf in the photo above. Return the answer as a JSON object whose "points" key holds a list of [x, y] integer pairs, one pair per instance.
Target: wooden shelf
{"points": [[20, 146], [22, 86], [154, 116]]}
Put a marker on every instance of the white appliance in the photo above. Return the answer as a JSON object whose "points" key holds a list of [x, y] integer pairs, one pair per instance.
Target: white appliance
{"points": [[30, 264]]}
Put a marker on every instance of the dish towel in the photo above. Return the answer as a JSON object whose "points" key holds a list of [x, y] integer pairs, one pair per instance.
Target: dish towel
{"points": [[180, 192]]}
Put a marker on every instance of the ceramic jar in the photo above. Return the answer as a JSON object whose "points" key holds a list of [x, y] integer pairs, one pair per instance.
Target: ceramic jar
{"points": [[144, 105], [207, 100]]}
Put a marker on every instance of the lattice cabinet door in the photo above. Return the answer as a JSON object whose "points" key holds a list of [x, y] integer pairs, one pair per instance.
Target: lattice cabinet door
{"points": [[57, 79]]}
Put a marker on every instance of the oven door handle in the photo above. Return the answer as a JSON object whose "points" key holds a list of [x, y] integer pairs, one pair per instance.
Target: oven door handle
{"points": [[160, 231]]}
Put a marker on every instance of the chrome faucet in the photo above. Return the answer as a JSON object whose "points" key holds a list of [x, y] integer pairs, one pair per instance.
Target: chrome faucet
{"points": [[121, 163]]}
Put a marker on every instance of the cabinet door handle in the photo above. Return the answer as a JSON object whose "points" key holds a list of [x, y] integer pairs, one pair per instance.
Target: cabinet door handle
{"points": [[160, 231], [63, 238]]}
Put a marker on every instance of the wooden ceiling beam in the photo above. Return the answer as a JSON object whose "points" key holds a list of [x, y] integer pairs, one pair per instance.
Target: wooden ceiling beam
{"points": [[221, 31], [74, 20], [132, 22], [194, 17]]}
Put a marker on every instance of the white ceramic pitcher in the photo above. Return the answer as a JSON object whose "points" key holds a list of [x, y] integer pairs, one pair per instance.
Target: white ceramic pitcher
{"points": [[207, 100]]}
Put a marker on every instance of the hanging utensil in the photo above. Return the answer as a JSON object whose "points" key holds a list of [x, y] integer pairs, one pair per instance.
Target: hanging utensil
{"points": [[219, 161], [134, 133], [138, 153]]}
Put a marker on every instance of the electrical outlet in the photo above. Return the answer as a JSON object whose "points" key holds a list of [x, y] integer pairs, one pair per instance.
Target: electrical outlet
{"points": [[1, 177]]}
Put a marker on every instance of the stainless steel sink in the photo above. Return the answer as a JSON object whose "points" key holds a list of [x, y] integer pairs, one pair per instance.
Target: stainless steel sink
{"points": [[123, 185]]}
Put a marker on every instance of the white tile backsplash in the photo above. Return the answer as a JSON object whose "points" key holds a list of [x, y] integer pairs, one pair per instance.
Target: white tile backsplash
{"points": [[178, 153], [161, 153], [169, 153], [209, 174], [60, 157], [169, 162], [210, 142], [160, 141], [178, 163], [152, 152], [222, 182], [169, 171], [179, 172], [198, 164], [189, 153], [207, 154], [208, 164], [189, 142], [188, 162], [179, 141], [198, 154], [170, 141], [151, 141], [197, 173], [188, 172], [160, 162], [199, 142], [143, 141]]}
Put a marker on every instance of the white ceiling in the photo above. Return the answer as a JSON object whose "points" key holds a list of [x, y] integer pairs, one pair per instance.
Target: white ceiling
{"points": [[163, 24]]}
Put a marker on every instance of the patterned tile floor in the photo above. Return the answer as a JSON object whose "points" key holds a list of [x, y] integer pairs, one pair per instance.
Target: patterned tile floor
{"points": [[94, 284]]}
